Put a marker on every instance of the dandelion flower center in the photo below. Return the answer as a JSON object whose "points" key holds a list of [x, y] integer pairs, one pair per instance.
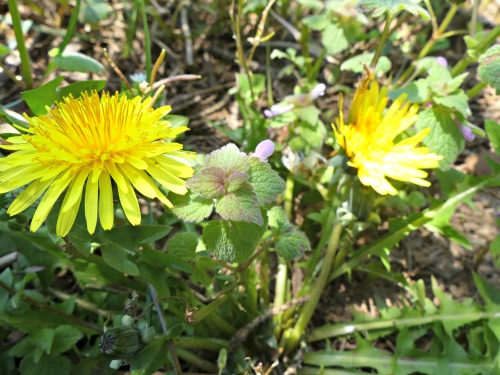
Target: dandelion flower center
{"points": [[84, 144]]}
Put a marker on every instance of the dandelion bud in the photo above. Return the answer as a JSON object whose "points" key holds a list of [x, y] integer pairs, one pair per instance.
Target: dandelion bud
{"points": [[120, 342]]}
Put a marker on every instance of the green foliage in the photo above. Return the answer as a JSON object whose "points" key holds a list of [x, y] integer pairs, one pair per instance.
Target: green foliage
{"points": [[76, 62], [445, 137], [489, 67], [393, 7]]}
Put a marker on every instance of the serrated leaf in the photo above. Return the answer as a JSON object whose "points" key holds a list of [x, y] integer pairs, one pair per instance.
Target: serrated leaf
{"points": [[266, 182], [236, 181], [379, 7], [232, 241], [242, 205], [445, 137], [191, 207], [46, 95], [458, 102], [334, 39], [493, 130], [229, 158], [489, 67], [355, 64], [182, 245], [77, 62], [440, 223], [45, 366], [209, 182], [292, 245], [277, 218]]}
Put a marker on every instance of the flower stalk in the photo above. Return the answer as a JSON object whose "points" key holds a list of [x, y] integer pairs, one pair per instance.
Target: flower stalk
{"points": [[291, 338]]}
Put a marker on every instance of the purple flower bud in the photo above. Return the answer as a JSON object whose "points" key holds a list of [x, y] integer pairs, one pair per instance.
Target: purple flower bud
{"points": [[318, 90], [467, 132], [278, 109], [263, 150], [428, 104], [442, 61]]}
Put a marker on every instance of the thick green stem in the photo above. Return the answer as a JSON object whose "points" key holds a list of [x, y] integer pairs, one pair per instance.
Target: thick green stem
{"points": [[383, 39], [282, 273], [196, 361], [290, 339], [476, 89], [21, 46]]}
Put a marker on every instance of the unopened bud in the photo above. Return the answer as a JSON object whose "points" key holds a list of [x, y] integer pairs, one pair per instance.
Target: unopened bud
{"points": [[120, 342]]}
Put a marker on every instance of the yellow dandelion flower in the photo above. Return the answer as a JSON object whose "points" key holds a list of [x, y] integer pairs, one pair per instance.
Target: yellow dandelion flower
{"points": [[367, 138], [84, 144]]}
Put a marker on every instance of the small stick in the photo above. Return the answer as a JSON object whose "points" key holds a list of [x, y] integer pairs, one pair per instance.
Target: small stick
{"points": [[188, 41], [117, 70]]}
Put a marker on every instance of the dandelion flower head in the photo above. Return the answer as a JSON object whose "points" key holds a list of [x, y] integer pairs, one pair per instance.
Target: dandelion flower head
{"points": [[81, 146], [368, 139]]}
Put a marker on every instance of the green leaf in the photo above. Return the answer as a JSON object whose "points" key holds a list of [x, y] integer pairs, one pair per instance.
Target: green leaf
{"points": [[458, 101], [210, 183], [229, 158], [493, 130], [182, 245], [45, 366], [242, 205], [77, 88], [20, 124], [77, 62], [277, 218], [161, 260], [4, 50], [445, 137], [334, 39], [131, 236], [379, 7], [191, 207], [355, 64], [266, 182], [309, 114], [65, 337], [94, 11], [43, 338], [117, 257], [292, 245], [150, 358], [441, 224], [232, 241], [317, 22], [204, 270], [489, 67], [177, 121], [37, 99]]}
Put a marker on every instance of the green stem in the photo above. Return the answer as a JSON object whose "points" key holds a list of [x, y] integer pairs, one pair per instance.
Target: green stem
{"points": [[196, 361], [147, 40], [21, 46], [383, 39], [291, 338], [476, 89], [205, 343], [480, 48], [282, 272], [436, 35]]}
